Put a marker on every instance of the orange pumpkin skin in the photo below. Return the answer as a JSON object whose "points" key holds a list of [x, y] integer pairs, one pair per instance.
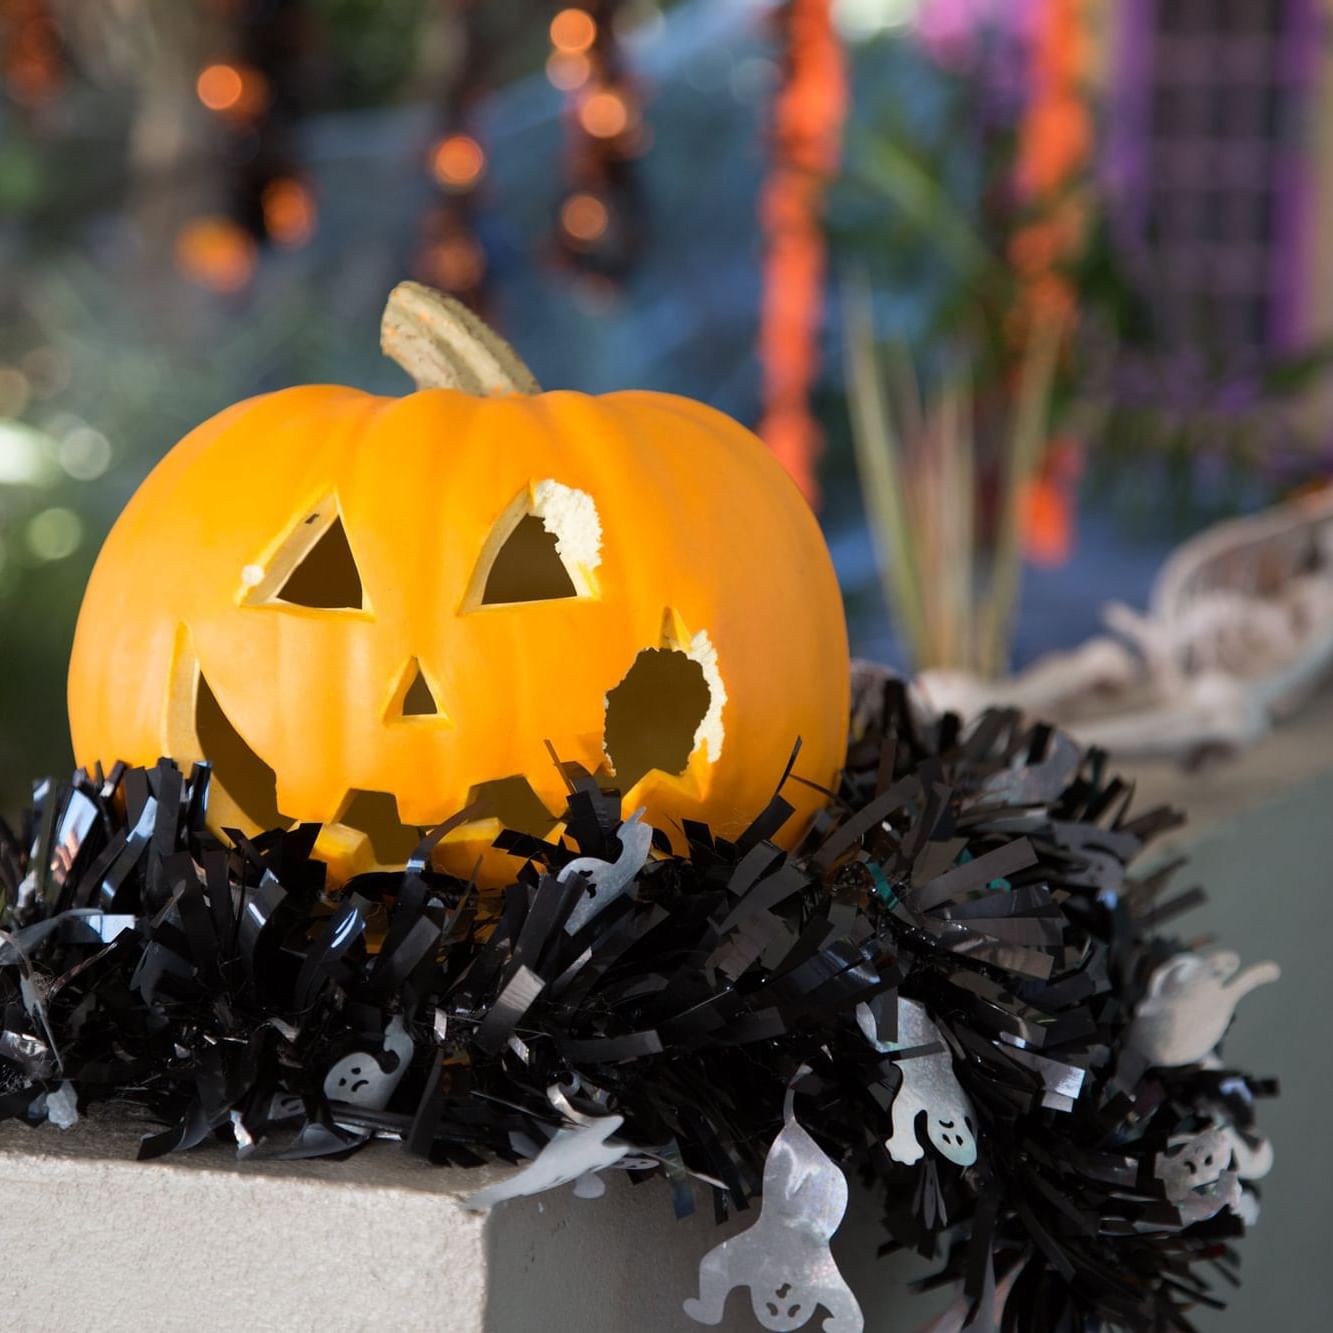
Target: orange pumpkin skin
{"points": [[700, 531]]}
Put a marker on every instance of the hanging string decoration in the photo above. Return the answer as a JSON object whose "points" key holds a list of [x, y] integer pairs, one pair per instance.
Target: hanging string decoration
{"points": [[1055, 142], [452, 256], [601, 218], [807, 134], [31, 64], [256, 94]]}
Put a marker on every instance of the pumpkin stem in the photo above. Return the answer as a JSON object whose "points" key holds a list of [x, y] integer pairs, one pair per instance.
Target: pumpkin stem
{"points": [[443, 345]]}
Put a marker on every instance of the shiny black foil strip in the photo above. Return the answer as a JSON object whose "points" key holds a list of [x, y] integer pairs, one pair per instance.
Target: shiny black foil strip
{"points": [[981, 872]]}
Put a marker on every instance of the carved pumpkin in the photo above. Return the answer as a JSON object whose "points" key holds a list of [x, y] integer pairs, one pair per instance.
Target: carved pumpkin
{"points": [[373, 612]]}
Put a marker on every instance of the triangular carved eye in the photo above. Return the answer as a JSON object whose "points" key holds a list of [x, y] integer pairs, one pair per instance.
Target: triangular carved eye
{"points": [[528, 567], [327, 576], [313, 567], [546, 546]]}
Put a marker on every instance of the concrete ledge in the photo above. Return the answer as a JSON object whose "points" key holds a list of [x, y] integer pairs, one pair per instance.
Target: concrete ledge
{"points": [[93, 1239]]}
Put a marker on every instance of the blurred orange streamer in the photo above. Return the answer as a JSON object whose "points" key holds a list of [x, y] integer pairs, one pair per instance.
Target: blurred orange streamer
{"points": [[1055, 148], [1049, 506], [29, 52], [808, 120]]}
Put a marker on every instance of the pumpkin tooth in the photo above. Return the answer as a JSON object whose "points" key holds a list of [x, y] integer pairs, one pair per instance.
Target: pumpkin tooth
{"points": [[375, 814]]}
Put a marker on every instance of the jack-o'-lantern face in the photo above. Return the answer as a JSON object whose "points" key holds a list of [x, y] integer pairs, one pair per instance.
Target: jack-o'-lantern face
{"points": [[374, 612]]}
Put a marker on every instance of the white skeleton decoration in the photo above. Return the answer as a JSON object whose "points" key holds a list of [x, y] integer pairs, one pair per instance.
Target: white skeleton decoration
{"points": [[360, 1079], [929, 1084], [1237, 635], [1189, 1005], [608, 880], [784, 1258]]}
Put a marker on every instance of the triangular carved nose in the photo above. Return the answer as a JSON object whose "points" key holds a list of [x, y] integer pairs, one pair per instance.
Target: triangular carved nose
{"points": [[414, 697], [419, 701]]}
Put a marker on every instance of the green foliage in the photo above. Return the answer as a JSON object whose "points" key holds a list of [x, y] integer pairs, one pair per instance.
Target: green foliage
{"points": [[128, 379], [20, 175], [374, 44], [917, 194]]}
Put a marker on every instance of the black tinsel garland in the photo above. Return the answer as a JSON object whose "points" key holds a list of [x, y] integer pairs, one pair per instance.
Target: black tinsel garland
{"points": [[979, 871]]}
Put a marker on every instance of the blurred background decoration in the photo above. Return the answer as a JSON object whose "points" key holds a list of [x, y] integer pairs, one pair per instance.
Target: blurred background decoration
{"points": [[1070, 249]]}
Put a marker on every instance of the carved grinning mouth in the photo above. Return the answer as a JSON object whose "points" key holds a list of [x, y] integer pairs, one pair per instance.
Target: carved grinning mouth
{"points": [[652, 720]]}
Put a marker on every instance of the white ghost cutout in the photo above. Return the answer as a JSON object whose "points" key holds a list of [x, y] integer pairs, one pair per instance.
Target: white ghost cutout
{"points": [[1198, 1177], [1189, 1005], [784, 1258], [361, 1080], [569, 1155], [929, 1084], [608, 879]]}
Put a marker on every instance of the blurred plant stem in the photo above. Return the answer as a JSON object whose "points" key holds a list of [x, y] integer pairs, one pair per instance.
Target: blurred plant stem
{"points": [[952, 593]]}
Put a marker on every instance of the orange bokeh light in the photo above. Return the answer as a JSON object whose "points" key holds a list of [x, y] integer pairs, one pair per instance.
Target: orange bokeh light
{"points": [[289, 212], [232, 90], [216, 253], [457, 263], [219, 87], [584, 217], [568, 72], [604, 115], [458, 162], [573, 30]]}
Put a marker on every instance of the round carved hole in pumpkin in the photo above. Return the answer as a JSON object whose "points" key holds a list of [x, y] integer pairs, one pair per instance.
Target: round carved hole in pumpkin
{"points": [[653, 716]]}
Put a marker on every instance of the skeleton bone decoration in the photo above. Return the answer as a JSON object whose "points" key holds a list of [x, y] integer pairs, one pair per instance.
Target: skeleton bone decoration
{"points": [[784, 1258], [1239, 631]]}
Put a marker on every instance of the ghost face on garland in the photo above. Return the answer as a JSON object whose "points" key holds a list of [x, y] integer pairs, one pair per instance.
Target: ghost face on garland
{"points": [[784, 1258], [372, 613], [928, 1084], [1189, 1004]]}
